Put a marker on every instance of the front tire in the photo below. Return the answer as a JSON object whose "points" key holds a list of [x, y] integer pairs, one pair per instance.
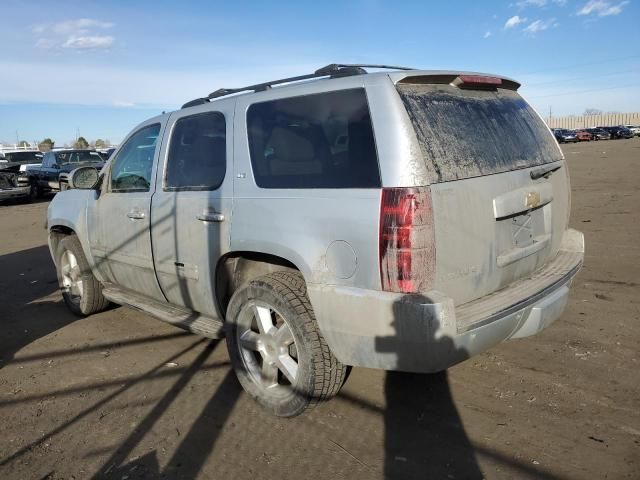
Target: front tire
{"points": [[276, 348], [81, 291], [34, 192]]}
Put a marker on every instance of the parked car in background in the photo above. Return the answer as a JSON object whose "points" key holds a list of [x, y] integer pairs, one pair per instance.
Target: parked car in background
{"points": [[565, 136], [635, 129], [402, 220], [14, 181], [599, 134], [105, 153], [584, 135], [21, 157], [618, 132], [52, 175], [10, 185]]}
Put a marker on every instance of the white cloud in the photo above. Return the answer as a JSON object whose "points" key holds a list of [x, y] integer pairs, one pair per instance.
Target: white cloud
{"points": [[539, 3], [513, 21], [535, 3], [72, 26], [81, 33], [540, 25], [602, 8], [123, 104], [87, 43], [487, 34]]}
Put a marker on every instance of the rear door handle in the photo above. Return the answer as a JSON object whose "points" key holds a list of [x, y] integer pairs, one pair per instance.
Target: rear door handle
{"points": [[136, 215], [211, 217]]}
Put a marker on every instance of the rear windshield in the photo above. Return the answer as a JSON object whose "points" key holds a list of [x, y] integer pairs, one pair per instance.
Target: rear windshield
{"points": [[469, 133], [79, 157]]}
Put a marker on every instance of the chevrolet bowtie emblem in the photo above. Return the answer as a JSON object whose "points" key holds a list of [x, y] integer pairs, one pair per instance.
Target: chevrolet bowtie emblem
{"points": [[533, 199]]}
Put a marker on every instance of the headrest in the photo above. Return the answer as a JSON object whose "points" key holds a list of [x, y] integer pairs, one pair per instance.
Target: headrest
{"points": [[290, 145]]}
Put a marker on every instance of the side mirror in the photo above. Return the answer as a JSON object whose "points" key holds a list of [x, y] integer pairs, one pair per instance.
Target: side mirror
{"points": [[84, 178], [56, 166]]}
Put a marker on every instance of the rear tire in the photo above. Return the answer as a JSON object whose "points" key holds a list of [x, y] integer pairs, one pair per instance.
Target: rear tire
{"points": [[276, 348], [81, 290]]}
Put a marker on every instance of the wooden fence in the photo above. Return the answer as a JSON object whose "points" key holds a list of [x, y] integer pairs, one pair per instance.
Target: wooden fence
{"points": [[604, 120]]}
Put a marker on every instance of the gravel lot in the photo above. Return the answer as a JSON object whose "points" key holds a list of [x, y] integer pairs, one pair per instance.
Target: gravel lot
{"points": [[121, 395]]}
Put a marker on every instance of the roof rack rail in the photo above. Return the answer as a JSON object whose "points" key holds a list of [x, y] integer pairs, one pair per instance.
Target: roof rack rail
{"points": [[333, 70]]}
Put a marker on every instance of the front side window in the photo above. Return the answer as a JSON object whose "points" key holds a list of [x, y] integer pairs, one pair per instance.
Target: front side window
{"points": [[323, 140], [48, 160], [197, 154], [131, 169]]}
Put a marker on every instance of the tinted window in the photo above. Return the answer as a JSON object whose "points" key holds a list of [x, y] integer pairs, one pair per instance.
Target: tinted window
{"points": [[197, 153], [23, 157], [315, 141], [83, 156], [131, 169], [468, 133], [49, 160]]}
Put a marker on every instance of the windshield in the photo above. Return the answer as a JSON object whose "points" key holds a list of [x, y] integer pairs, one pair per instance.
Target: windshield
{"points": [[23, 157], [469, 133]]}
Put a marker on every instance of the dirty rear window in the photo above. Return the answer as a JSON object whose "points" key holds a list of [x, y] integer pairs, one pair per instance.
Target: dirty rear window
{"points": [[469, 133]]}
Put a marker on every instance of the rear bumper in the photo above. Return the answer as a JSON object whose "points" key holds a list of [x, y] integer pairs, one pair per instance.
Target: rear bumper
{"points": [[427, 333]]}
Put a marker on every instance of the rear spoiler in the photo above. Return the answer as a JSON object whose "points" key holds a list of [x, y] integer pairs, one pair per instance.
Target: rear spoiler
{"points": [[473, 81]]}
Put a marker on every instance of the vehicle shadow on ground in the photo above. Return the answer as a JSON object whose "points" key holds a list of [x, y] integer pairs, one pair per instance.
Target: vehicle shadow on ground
{"points": [[197, 444], [27, 276], [424, 435]]}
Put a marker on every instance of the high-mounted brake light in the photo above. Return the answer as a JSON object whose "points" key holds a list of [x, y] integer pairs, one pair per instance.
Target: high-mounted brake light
{"points": [[477, 81], [407, 242]]}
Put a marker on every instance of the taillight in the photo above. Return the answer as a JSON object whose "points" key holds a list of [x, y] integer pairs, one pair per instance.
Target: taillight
{"points": [[477, 81], [407, 243]]}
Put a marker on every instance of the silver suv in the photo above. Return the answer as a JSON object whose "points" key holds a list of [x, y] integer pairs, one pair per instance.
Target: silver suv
{"points": [[401, 220]]}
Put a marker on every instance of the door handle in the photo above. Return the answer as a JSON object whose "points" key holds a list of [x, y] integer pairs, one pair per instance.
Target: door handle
{"points": [[210, 217], [136, 215]]}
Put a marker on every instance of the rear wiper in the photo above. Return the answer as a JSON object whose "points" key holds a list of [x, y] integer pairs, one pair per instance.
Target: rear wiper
{"points": [[543, 172]]}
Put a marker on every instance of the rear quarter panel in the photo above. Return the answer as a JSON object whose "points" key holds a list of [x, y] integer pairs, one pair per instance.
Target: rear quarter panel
{"points": [[331, 235]]}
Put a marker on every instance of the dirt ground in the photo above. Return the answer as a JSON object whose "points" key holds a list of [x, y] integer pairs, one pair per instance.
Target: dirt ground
{"points": [[121, 395]]}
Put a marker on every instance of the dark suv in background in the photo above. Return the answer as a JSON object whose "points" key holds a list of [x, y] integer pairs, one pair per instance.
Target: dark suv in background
{"points": [[52, 175]]}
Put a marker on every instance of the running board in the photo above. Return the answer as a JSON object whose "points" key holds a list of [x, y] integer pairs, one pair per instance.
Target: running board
{"points": [[178, 316]]}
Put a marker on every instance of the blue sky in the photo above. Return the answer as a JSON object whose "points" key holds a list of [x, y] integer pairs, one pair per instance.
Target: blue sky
{"points": [[102, 67]]}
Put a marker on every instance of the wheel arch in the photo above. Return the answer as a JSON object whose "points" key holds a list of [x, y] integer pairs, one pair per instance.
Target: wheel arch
{"points": [[56, 233], [235, 269]]}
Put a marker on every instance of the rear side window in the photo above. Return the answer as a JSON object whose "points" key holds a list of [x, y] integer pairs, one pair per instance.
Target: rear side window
{"points": [[197, 153], [323, 140], [469, 133]]}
